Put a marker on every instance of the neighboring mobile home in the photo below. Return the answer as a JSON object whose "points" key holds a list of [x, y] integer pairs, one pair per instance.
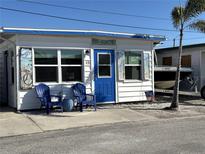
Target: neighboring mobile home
{"points": [[116, 67], [193, 56]]}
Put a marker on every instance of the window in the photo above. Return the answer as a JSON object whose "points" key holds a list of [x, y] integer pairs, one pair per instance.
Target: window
{"points": [[46, 74], [132, 65], [52, 65], [167, 61], [45, 56], [46, 65], [186, 61], [104, 65], [71, 63]]}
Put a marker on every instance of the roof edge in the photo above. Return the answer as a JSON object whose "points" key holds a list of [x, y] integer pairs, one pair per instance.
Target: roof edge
{"points": [[35, 31], [185, 47]]}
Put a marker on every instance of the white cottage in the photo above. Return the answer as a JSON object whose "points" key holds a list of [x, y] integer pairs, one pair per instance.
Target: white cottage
{"points": [[116, 67]]}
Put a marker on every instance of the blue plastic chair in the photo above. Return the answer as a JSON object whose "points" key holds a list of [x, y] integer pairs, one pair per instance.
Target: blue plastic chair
{"points": [[83, 99], [43, 94]]}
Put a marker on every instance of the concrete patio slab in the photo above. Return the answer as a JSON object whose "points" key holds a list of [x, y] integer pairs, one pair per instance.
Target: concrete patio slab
{"points": [[88, 118], [12, 123]]}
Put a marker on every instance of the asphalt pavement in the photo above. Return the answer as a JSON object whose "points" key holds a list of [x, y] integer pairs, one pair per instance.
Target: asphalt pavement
{"points": [[170, 136], [14, 123]]}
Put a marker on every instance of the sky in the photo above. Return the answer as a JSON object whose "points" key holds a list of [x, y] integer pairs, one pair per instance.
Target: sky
{"points": [[149, 8]]}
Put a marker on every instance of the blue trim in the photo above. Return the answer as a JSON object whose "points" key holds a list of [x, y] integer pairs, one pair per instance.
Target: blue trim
{"points": [[84, 33]]}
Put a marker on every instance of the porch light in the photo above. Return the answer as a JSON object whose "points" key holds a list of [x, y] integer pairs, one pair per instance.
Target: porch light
{"points": [[87, 52]]}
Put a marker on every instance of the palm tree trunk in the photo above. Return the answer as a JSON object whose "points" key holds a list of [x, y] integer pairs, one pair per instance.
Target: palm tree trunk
{"points": [[175, 99]]}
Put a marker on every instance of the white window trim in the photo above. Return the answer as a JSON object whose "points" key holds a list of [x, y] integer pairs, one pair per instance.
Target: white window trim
{"points": [[71, 65], [57, 65], [45, 65], [141, 66]]}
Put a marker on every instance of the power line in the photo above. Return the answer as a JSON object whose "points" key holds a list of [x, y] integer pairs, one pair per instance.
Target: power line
{"points": [[85, 21], [95, 11], [89, 21]]}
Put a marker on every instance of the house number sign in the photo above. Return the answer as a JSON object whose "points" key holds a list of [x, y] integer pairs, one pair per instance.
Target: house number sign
{"points": [[103, 42]]}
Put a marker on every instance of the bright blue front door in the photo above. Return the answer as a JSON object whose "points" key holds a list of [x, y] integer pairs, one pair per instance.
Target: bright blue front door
{"points": [[104, 75]]}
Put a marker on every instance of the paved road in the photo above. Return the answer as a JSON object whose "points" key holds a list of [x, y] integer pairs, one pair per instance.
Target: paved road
{"points": [[159, 137]]}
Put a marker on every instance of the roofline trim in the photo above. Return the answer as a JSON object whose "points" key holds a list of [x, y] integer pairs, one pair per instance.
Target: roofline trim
{"points": [[65, 30], [185, 46], [81, 32]]}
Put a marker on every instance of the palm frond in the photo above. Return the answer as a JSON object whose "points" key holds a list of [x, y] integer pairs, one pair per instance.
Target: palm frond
{"points": [[177, 15], [198, 25], [193, 8]]}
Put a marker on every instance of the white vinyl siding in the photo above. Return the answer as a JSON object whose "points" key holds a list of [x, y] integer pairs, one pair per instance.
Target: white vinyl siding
{"points": [[134, 90], [87, 71]]}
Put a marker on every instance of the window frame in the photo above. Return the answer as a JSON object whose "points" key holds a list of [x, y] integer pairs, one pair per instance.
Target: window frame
{"points": [[134, 65], [71, 65], [58, 65], [104, 65]]}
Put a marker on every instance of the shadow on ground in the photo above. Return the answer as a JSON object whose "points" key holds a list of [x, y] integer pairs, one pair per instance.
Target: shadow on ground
{"points": [[183, 100], [195, 104], [53, 113], [6, 109]]}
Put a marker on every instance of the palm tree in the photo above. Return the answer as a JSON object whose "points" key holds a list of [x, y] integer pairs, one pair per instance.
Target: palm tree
{"points": [[185, 17]]}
